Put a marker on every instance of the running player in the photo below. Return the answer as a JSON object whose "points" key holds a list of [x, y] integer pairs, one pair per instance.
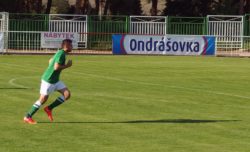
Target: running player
{"points": [[51, 83]]}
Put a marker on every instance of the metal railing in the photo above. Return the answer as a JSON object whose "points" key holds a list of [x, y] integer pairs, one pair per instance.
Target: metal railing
{"points": [[229, 29], [148, 25], [101, 29], [28, 22], [187, 25], [231, 48], [30, 42], [70, 23], [22, 32]]}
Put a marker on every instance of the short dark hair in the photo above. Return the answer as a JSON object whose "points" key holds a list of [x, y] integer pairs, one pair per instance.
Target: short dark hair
{"points": [[66, 41]]}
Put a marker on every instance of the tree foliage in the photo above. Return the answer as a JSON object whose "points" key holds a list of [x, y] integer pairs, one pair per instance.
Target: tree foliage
{"points": [[205, 7], [125, 7], [128, 7]]}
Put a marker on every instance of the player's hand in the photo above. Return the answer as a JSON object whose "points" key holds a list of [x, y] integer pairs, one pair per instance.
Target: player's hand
{"points": [[69, 64]]}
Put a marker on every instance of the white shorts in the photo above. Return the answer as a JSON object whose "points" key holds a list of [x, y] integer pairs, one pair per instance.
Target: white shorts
{"points": [[47, 88]]}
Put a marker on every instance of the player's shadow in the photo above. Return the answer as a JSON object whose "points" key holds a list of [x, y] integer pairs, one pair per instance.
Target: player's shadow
{"points": [[162, 121]]}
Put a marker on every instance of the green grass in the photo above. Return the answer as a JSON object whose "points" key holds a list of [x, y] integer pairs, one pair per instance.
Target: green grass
{"points": [[130, 104]]}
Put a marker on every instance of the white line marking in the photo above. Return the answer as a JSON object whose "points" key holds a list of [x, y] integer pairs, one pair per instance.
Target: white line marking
{"points": [[146, 83], [13, 83]]}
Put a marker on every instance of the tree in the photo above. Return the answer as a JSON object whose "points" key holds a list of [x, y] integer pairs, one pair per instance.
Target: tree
{"points": [[31, 6], [48, 8], [125, 7], [78, 6], [154, 9], [241, 8], [12, 6], [60, 7], [247, 7], [201, 7], [179, 8], [97, 5], [85, 7], [107, 6], [39, 6]]}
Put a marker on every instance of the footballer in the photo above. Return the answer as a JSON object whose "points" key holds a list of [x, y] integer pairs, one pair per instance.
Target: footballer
{"points": [[51, 83]]}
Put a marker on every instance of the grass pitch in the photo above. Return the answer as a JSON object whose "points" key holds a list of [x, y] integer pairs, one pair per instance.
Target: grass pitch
{"points": [[130, 104]]}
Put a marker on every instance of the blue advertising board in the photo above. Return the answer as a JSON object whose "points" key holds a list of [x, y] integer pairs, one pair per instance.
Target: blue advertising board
{"points": [[163, 45]]}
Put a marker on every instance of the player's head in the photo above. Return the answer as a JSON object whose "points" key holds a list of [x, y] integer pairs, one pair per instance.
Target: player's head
{"points": [[67, 45]]}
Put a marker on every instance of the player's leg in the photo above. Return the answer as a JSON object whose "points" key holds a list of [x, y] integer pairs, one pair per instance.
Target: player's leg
{"points": [[35, 107], [65, 95], [45, 90]]}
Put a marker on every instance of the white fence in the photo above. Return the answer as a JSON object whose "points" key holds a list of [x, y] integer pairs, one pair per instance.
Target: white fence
{"points": [[70, 23], [230, 49], [4, 20], [228, 29], [20, 41], [30, 42], [148, 25]]}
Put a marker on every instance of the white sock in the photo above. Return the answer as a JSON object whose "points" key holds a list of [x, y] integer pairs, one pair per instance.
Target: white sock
{"points": [[37, 104], [61, 99]]}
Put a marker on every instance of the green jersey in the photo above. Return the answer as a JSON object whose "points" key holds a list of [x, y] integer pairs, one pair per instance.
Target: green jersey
{"points": [[50, 75]]}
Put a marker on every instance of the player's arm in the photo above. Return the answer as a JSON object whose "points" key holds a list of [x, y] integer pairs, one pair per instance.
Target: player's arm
{"points": [[58, 66]]}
